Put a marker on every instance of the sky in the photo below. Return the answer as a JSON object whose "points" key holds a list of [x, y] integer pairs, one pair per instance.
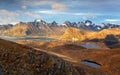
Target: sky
{"points": [[98, 11]]}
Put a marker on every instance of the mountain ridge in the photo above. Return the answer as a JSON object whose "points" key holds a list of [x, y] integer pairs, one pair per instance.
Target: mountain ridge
{"points": [[42, 28], [73, 34]]}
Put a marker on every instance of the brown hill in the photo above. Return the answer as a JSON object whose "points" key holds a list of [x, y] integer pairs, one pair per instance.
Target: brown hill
{"points": [[4, 27], [107, 58], [102, 34], [41, 29], [49, 45], [73, 34], [21, 29], [17, 59], [52, 31]]}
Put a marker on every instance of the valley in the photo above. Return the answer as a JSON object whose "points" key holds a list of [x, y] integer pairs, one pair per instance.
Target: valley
{"points": [[83, 52]]}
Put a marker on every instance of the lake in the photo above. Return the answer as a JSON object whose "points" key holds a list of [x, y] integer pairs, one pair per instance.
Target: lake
{"points": [[14, 39], [91, 46], [91, 63]]}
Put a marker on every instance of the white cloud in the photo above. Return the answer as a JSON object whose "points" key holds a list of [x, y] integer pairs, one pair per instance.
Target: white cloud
{"points": [[24, 7], [28, 14], [8, 13], [82, 15], [112, 20], [35, 2], [7, 16], [14, 16], [50, 12], [52, 4], [58, 6], [89, 15]]}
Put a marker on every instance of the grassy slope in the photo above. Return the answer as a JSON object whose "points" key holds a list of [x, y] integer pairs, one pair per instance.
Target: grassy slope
{"points": [[17, 59], [109, 59]]}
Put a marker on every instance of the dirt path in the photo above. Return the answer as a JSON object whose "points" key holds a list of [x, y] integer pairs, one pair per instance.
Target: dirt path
{"points": [[59, 55]]}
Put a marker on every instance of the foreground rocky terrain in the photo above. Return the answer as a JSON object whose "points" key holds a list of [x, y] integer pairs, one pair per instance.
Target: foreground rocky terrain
{"points": [[17, 59], [108, 59]]}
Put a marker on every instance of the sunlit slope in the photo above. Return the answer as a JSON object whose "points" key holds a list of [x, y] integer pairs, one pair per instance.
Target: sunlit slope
{"points": [[21, 30], [73, 34]]}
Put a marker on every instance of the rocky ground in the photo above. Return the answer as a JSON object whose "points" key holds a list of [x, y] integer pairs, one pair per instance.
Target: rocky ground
{"points": [[106, 57], [17, 59]]}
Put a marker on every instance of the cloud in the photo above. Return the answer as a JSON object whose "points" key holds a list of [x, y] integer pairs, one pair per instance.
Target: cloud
{"points": [[35, 2], [112, 20], [82, 15], [32, 15], [7, 16], [90, 15], [52, 4], [29, 14], [24, 7], [50, 12], [14, 16], [60, 7], [8, 13]]}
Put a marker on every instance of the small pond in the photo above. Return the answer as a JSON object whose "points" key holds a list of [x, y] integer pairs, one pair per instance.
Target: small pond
{"points": [[91, 63], [91, 46]]}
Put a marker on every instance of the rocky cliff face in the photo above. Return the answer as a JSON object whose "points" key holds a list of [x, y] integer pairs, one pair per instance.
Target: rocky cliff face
{"points": [[21, 29], [5, 27], [17, 59], [39, 28]]}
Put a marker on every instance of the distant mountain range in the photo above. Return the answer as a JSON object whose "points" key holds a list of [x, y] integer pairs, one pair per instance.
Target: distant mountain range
{"points": [[40, 27], [88, 25]]}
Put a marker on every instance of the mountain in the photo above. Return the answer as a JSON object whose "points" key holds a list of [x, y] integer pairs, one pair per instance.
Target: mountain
{"points": [[69, 24], [53, 24], [103, 33], [42, 28], [50, 29], [5, 27], [38, 27], [89, 25], [74, 34], [94, 27], [21, 29]]}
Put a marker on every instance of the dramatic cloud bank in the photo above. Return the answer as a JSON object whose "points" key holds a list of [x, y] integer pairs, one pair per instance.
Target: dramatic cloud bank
{"points": [[99, 11]]}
